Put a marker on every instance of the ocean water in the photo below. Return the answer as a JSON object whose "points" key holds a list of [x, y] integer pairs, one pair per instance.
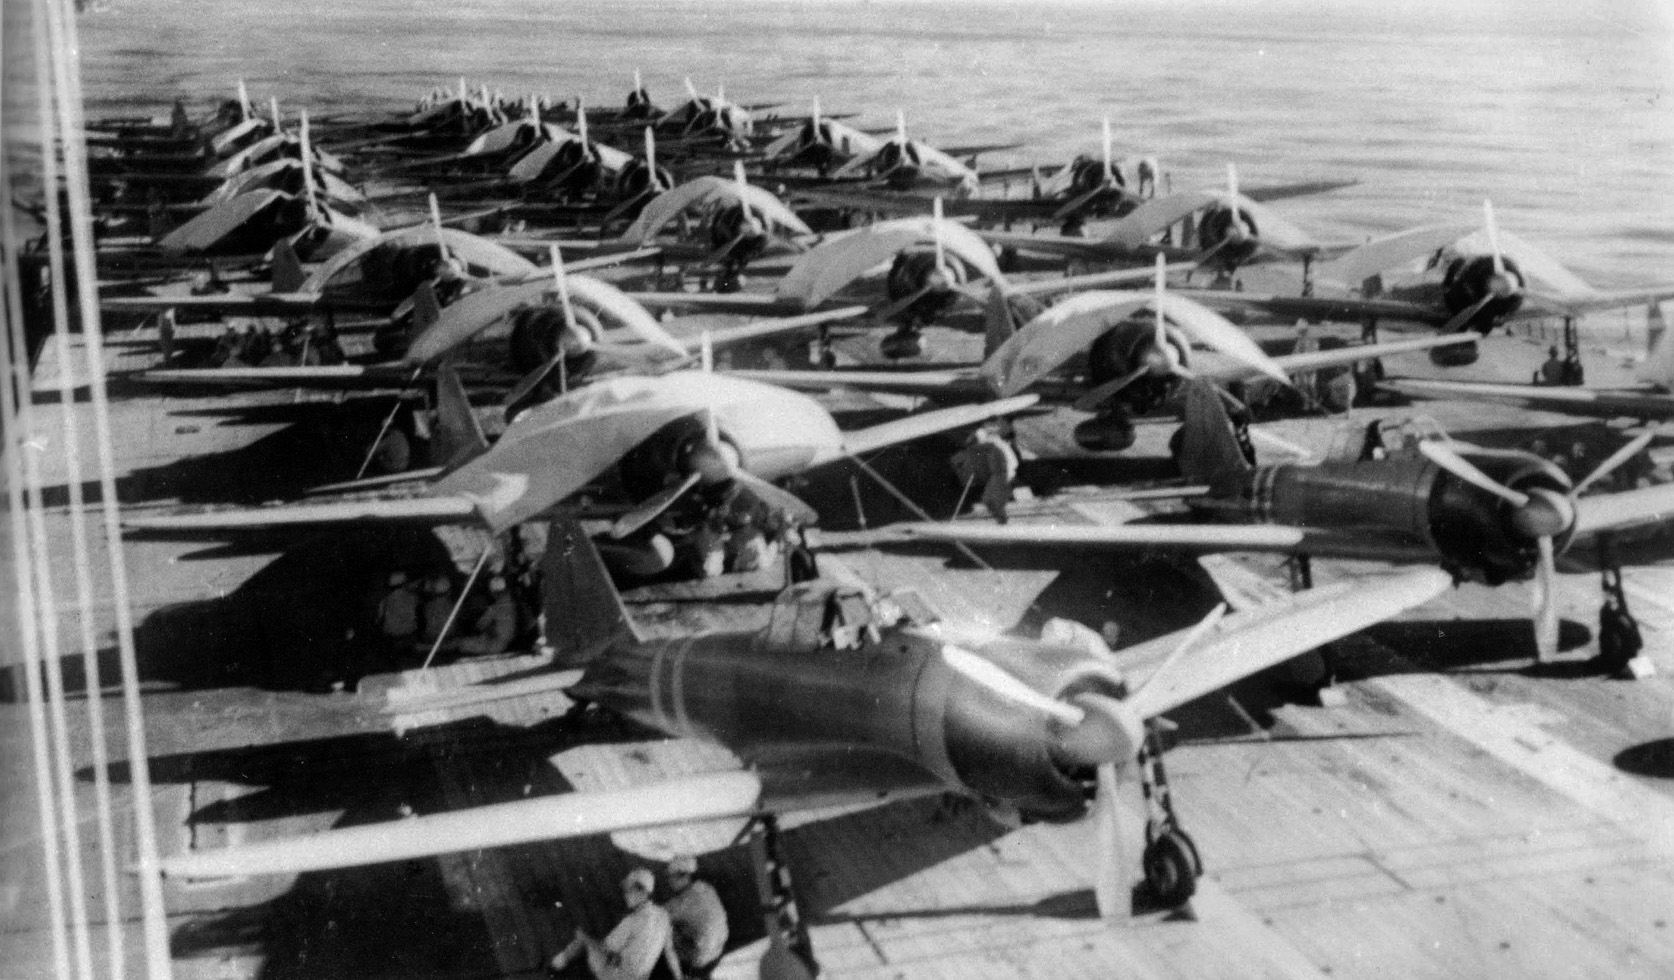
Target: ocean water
{"points": [[1562, 113]]}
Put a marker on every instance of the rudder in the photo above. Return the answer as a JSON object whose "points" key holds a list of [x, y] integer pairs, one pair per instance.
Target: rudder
{"points": [[458, 436], [1209, 448], [585, 614]]}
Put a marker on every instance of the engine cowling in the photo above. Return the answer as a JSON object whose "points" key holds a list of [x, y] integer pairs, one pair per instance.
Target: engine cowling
{"points": [[540, 333], [1474, 532], [915, 271], [1230, 233], [573, 169], [1467, 281]]}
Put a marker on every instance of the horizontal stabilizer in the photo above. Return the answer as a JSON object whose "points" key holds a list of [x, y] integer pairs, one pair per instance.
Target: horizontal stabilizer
{"points": [[711, 796]]}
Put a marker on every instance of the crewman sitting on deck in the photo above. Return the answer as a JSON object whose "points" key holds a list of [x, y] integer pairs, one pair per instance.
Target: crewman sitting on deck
{"points": [[397, 615], [631, 950], [698, 918], [437, 607], [496, 627]]}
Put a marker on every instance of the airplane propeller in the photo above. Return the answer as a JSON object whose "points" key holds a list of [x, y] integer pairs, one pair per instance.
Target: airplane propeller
{"points": [[1095, 731], [1501, 285], [749, 225], [1542, 514], [1161, 359], [574, 342], [1107, 183], [712, 461], [941, 278]]}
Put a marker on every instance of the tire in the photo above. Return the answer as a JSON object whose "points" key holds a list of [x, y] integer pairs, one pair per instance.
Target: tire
{"points": [[1172, 868]]}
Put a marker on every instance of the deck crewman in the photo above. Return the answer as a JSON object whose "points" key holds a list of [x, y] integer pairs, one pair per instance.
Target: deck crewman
{"points": [[698, 918], [631, 950]]}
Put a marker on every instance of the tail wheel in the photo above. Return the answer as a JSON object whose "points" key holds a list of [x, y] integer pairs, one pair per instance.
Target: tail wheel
{"points": [[1172, 867]]}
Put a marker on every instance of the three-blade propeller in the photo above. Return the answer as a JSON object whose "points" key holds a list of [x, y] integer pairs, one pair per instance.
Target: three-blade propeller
{"points": [[1095, 731]]}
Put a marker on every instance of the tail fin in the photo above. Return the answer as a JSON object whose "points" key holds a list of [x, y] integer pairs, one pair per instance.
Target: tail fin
{"points": [[427, 309], [458, 436], [1210, 449], [585, 614], [288, 276], [1658, 368], [1005, 314]]}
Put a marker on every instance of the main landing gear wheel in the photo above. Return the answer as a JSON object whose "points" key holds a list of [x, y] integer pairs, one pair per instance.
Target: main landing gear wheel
{"points": [[906, 342], [1170, 862], [1172, 868]]}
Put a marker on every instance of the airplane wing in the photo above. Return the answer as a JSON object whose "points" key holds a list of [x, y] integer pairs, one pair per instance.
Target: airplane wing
{"points": [[920, 424], [709, 796], [215, 224], [982, 209], [1594, 300], [1318, 308], [1185, 538], [1600, 402], [325, 376], [954, 384], [748, 303], [1598, 513], [1381, 254], [1338, 357], [245, 304], [1306, 188], [429, 510], [1166, 676], [1090, 249], [831, 265], [973, 150], [766, 327]]}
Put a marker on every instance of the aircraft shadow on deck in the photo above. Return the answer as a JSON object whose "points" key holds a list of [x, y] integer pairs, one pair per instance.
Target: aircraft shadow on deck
{"points": [[282, 464], [294, 625]]}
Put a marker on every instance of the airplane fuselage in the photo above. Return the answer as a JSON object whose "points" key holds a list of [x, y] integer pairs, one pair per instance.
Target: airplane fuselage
{"points": [[781, 691]]}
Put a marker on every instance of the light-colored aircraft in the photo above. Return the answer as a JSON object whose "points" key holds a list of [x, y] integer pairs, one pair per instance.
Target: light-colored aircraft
{"points": [[1472, 278], [691, 429], [1651, 399], [1221, 229], [1127, 362], [547, 320], [904, 163], [849, 699], [1482, 514]]}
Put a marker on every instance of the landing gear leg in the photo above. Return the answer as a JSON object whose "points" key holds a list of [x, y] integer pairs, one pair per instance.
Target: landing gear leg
{"points": [[790, 951], [1572, 374], [1171, 862], [1317, 669], [1307, 275]]}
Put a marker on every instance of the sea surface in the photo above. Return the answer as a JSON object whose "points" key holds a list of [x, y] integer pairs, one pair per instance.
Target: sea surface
{"points": [[1561, 113]]}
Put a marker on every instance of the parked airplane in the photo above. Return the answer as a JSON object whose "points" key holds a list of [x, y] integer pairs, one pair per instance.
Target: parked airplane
{"points": [[1132, 363], [1481, 514], [1486, 278], [848, 699], [685, 428]]}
